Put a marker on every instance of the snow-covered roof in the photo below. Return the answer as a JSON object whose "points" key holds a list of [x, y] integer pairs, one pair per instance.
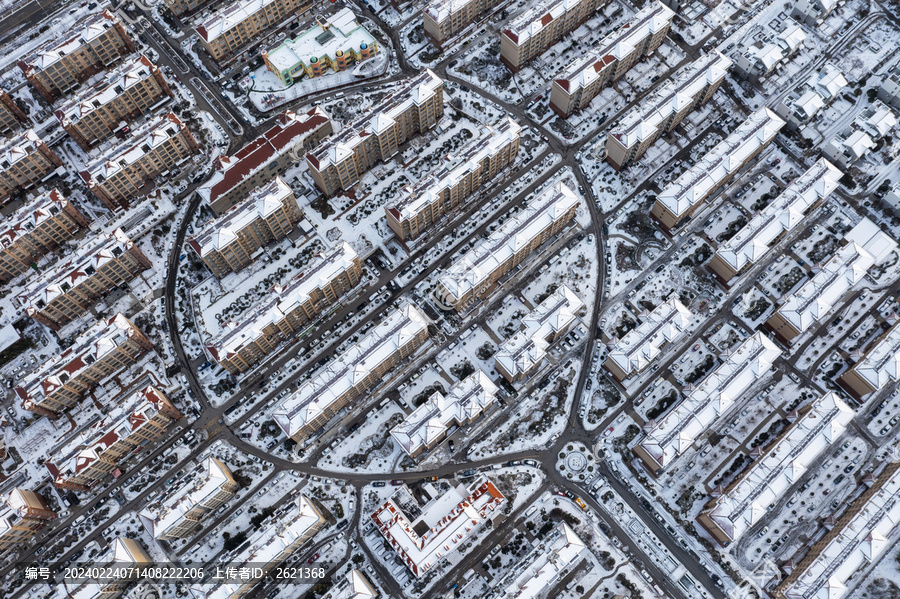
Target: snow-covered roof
{"points": [[260, 203], [86, 100], [881, 364], [230, 16], [871, 238], [782, 215], [537, 18], [490, 254], [697, 183], [425, 537], [643, 344], [543, 566], [747, 501], [774, 49], [870, 125], [466, 400], [350, 369], [440, 10], [644, 119], [73, 271], [83, 32], [810, 96], [494, 140], [144, 139], [281, 301], [674, 433], [93, 345], [18, 148], [414, 92], [791, 36], [286, 135], [857, 544], [31, 216], [651, 19], [527, 348], [339, 32], [353, 586], [85, 448]]}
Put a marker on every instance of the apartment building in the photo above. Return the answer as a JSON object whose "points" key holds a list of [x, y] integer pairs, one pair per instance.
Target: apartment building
{"points": [[230, 243], [104, 350], [270, 544], [231, 28], [689, 191], [412, 109], [879, 367], [71, 287], [760, 59], [352, 373], [141, 416], [746, 501], [557, 554], [538, 28], [861, 136], [811, 12], [476, 274], [641, 346], [769, 226], [23, 514], [128, 557], [865, 246], [181, 508], [854, 544], [889, 90], [443, 19], [641, 127], [134, 88], [183, 8], [609, 60], [424, 535], [520, 357], [35, 229], [11, 116], [268, 155], [337, 42], [671, 435], [92, 45], [286, 311], [25, 161], [428, 425], [354, 585], [417, 209], [130, 170], [803, 102]]}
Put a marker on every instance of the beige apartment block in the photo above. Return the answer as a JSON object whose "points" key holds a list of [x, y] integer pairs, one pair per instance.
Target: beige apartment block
{"points": [[92, 455], [23, 514], [94, 44], [538, 28], [130, 171], [609, 60], [103, 350], [11, 116], [135, 88], [419, 208], [233, 27], [68, 290], [286, 311], [877, 368], [415, 107], [643, 125], [230, 242], [443, 19], [285, 144], [25, 161], [183, 8], [35, 229]]}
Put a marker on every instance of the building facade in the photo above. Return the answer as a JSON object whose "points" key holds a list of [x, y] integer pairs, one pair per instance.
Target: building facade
{"points": [[133, 89], [355, 371], [420, 207], [411, 110], [879, 367], [810, 12], [141, 417], [229, 243], [662, 112], [475, 276], [443, 19], [286, 311], [609, 60], [94, 44], [761, 59], [102, 351], [292, 136], [538, 28], [129, 171], [24, 513], [35, 229], [889, 90], [25, 161], [183, 8], [76, 283], [234, 26], [11, 116]]}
